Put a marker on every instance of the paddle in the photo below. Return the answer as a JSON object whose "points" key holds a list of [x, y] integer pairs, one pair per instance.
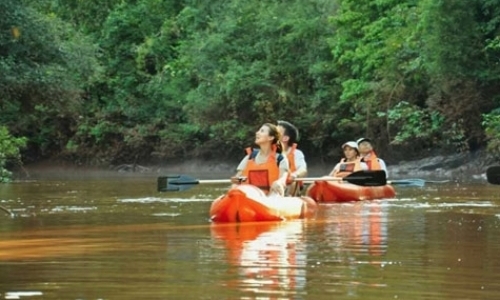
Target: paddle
{"points": [[414, 182], [184, 182], [493, 174]]}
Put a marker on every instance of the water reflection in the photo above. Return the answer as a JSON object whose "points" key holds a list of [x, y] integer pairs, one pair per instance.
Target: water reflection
{"points": [[357, 226], [345, 249], [347, 255], [72, 241], [28, 249], [270, 257]]}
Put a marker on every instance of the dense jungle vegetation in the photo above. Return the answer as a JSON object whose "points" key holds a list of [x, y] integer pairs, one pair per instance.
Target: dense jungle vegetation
{"points": [[120, 81]]}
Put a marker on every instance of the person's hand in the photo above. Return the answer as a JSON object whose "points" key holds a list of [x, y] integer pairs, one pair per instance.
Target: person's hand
{"points": [[277, 188], [291, 179], [237, 179]]}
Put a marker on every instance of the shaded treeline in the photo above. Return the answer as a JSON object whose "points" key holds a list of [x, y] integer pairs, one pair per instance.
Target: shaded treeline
{"points": [[119, 81]]}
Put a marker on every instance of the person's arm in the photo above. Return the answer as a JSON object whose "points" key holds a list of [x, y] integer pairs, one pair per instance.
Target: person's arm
{"points": [[335, 170], [278, 187], [300, 163], [239, 170]]}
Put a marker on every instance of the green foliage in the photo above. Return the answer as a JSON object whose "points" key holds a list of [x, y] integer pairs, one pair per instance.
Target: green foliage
{"points": [[419, 126], [9, 150], [88, 16], [140, 95], [45, 67], [455, 22], [256, 62], [376, 49], [414, 123], [491, 124], [126, 80], [455, 37]]}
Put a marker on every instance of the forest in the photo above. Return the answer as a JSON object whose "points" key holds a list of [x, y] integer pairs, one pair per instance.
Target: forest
{"points": [[143, 81]]}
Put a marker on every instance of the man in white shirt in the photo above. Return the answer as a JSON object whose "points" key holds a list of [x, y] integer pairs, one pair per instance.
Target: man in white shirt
{"points": [[369, 156], [296, 159]]}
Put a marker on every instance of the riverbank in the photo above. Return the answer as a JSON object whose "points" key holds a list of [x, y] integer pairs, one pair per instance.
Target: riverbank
{"points": [[456, 167]]}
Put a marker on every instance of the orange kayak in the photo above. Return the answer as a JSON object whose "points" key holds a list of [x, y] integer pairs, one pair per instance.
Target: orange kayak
{"points": [[332, 191], [247, 203]]}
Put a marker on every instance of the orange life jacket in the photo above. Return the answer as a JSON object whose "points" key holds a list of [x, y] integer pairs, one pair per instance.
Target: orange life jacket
{"points": [[262, 175], [372, 161], [347, 168], [291, 158], [291, 163]]}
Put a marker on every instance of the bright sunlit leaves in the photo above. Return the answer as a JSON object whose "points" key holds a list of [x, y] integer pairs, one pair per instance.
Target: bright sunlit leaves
{"points": [[16, 32]]}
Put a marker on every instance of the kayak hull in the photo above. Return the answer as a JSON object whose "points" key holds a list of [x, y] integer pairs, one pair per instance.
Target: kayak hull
{"points": [[247, 203], [332, 191]]}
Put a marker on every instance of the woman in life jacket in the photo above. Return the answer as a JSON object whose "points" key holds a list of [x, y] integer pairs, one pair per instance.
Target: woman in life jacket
{"points": [[369, 156], [265, 167], [296, 160], [350, 163]]}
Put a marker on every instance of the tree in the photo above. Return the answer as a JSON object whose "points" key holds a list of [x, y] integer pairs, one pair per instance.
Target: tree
{"points": [[256, 62], [9, 150], [45, 66]]}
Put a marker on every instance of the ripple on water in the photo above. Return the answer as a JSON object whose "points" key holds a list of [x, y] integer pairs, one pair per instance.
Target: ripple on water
{"points": [[164, 200], [69, 208], [445, 205], [166, 214], [18, 295]]}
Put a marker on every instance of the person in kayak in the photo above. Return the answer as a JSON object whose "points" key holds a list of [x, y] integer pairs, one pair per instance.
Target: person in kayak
{"points": [[296, 159], [350, 163], [369, 156], [265, 167]]}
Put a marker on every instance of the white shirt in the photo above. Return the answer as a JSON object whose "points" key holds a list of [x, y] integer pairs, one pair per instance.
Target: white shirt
{"points": [[363, 165]]}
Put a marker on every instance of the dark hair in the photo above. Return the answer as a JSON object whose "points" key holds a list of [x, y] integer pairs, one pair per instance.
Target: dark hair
{"points": [[290, 130], [274, 132]]}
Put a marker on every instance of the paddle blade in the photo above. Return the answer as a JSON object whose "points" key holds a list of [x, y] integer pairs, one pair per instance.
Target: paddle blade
{"points": [[367, 178], [493, 175], [175, 183]]}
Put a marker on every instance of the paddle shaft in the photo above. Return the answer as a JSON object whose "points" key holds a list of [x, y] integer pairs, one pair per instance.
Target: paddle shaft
{"points": [[326, 178], [208, 181], [183, 182], [218, 181], [415, 182]]}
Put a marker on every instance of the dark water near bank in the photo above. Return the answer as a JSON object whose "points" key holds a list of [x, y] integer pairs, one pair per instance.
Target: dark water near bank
{"points": [[117, 238]]}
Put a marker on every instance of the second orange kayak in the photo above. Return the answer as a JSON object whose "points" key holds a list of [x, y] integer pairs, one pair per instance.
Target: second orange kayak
{"points": [[332, 191]]}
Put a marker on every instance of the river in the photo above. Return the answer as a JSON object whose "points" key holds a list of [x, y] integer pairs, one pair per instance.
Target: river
{"points": [[115, 237]]}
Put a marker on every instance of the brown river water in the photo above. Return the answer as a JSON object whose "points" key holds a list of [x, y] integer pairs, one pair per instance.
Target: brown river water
{"points": [[116, 237]]}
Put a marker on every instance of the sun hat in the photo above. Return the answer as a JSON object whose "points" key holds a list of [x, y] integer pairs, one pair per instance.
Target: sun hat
{"points": [[351, 144], [359, 141]]}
